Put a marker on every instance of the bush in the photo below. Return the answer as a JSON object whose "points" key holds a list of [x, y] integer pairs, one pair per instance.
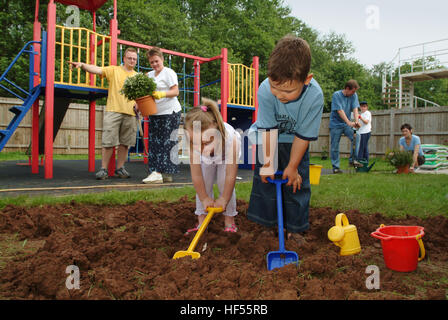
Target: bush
{"points": [[399, 158], [137, 86]]}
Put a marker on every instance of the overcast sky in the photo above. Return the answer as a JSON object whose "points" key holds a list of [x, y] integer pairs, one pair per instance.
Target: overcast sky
{"points": [[378, 28]]}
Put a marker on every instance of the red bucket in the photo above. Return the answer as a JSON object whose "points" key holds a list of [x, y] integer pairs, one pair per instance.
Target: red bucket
{"points": [[401, 246]]}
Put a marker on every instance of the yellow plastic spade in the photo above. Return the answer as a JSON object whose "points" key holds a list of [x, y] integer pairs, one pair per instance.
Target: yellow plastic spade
{"points": [[190, 252]]}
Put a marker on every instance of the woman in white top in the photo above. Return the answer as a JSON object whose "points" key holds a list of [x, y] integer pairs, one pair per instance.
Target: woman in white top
{"points": [[364, 131], [164, 122]]}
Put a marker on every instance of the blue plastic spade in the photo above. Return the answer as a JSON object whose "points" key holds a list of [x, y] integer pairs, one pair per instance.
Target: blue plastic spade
{"points": [[282, 257]]}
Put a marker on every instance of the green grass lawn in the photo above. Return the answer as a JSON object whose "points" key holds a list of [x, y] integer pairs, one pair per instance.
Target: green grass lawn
{"points": [[379, 190], [20, 156], [392, 194], [380, 165]]}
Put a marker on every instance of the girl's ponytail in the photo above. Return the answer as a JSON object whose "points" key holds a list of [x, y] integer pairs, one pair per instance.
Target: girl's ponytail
{"points": [[208, 114], [213, 108]]}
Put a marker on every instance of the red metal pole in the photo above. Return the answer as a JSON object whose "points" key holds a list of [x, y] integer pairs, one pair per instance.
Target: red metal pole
{"points": [[114, 36], [197, 82], [174, 53], [92, 105], [256, 66], [49, 89], [114, 32], [35, 112], [224, 83]]}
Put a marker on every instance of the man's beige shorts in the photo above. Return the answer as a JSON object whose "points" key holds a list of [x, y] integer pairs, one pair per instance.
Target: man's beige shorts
{"points": [[119, 129]]}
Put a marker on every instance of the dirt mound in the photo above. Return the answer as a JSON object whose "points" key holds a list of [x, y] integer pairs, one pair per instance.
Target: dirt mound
{"points": [[125, 252]]}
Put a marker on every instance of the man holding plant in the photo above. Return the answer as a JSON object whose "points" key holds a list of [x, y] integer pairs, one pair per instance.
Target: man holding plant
{"points": [[119, 122]]}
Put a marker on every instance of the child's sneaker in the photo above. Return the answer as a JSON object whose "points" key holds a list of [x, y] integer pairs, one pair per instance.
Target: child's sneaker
{"points": [[102, 174], [122, 173], [232, 228]]}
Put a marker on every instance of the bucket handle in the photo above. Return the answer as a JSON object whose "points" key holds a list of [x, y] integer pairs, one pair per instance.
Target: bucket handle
{"points": [[380, 235], [422, 247]]}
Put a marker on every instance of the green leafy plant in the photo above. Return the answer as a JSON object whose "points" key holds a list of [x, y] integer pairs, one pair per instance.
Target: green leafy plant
{"points": [[399, 158], [137, 86]]}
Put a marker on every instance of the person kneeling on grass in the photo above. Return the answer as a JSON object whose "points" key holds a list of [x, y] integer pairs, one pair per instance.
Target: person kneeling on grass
{"points": [[410, 142], [214, 154]]}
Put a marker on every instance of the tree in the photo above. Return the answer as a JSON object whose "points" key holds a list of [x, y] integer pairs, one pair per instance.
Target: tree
{"points": [[246, 27], [337, 46], [16, 20]]}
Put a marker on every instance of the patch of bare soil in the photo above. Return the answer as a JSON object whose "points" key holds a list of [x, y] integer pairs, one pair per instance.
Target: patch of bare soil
{"points": [[125, 252]]}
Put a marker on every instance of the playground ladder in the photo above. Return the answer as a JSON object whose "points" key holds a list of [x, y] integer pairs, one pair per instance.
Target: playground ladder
{"points": [[391, 95], [27, 96]]}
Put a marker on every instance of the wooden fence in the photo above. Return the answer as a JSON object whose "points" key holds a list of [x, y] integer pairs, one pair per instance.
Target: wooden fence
{"points": [[431, 124], [72, 138]]}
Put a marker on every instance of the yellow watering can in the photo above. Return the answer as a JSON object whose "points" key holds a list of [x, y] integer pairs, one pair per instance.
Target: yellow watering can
{"points": [[345, 236]]}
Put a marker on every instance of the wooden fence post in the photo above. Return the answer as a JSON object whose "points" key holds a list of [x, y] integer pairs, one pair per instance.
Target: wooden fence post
{"points": [[392, 129]]}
